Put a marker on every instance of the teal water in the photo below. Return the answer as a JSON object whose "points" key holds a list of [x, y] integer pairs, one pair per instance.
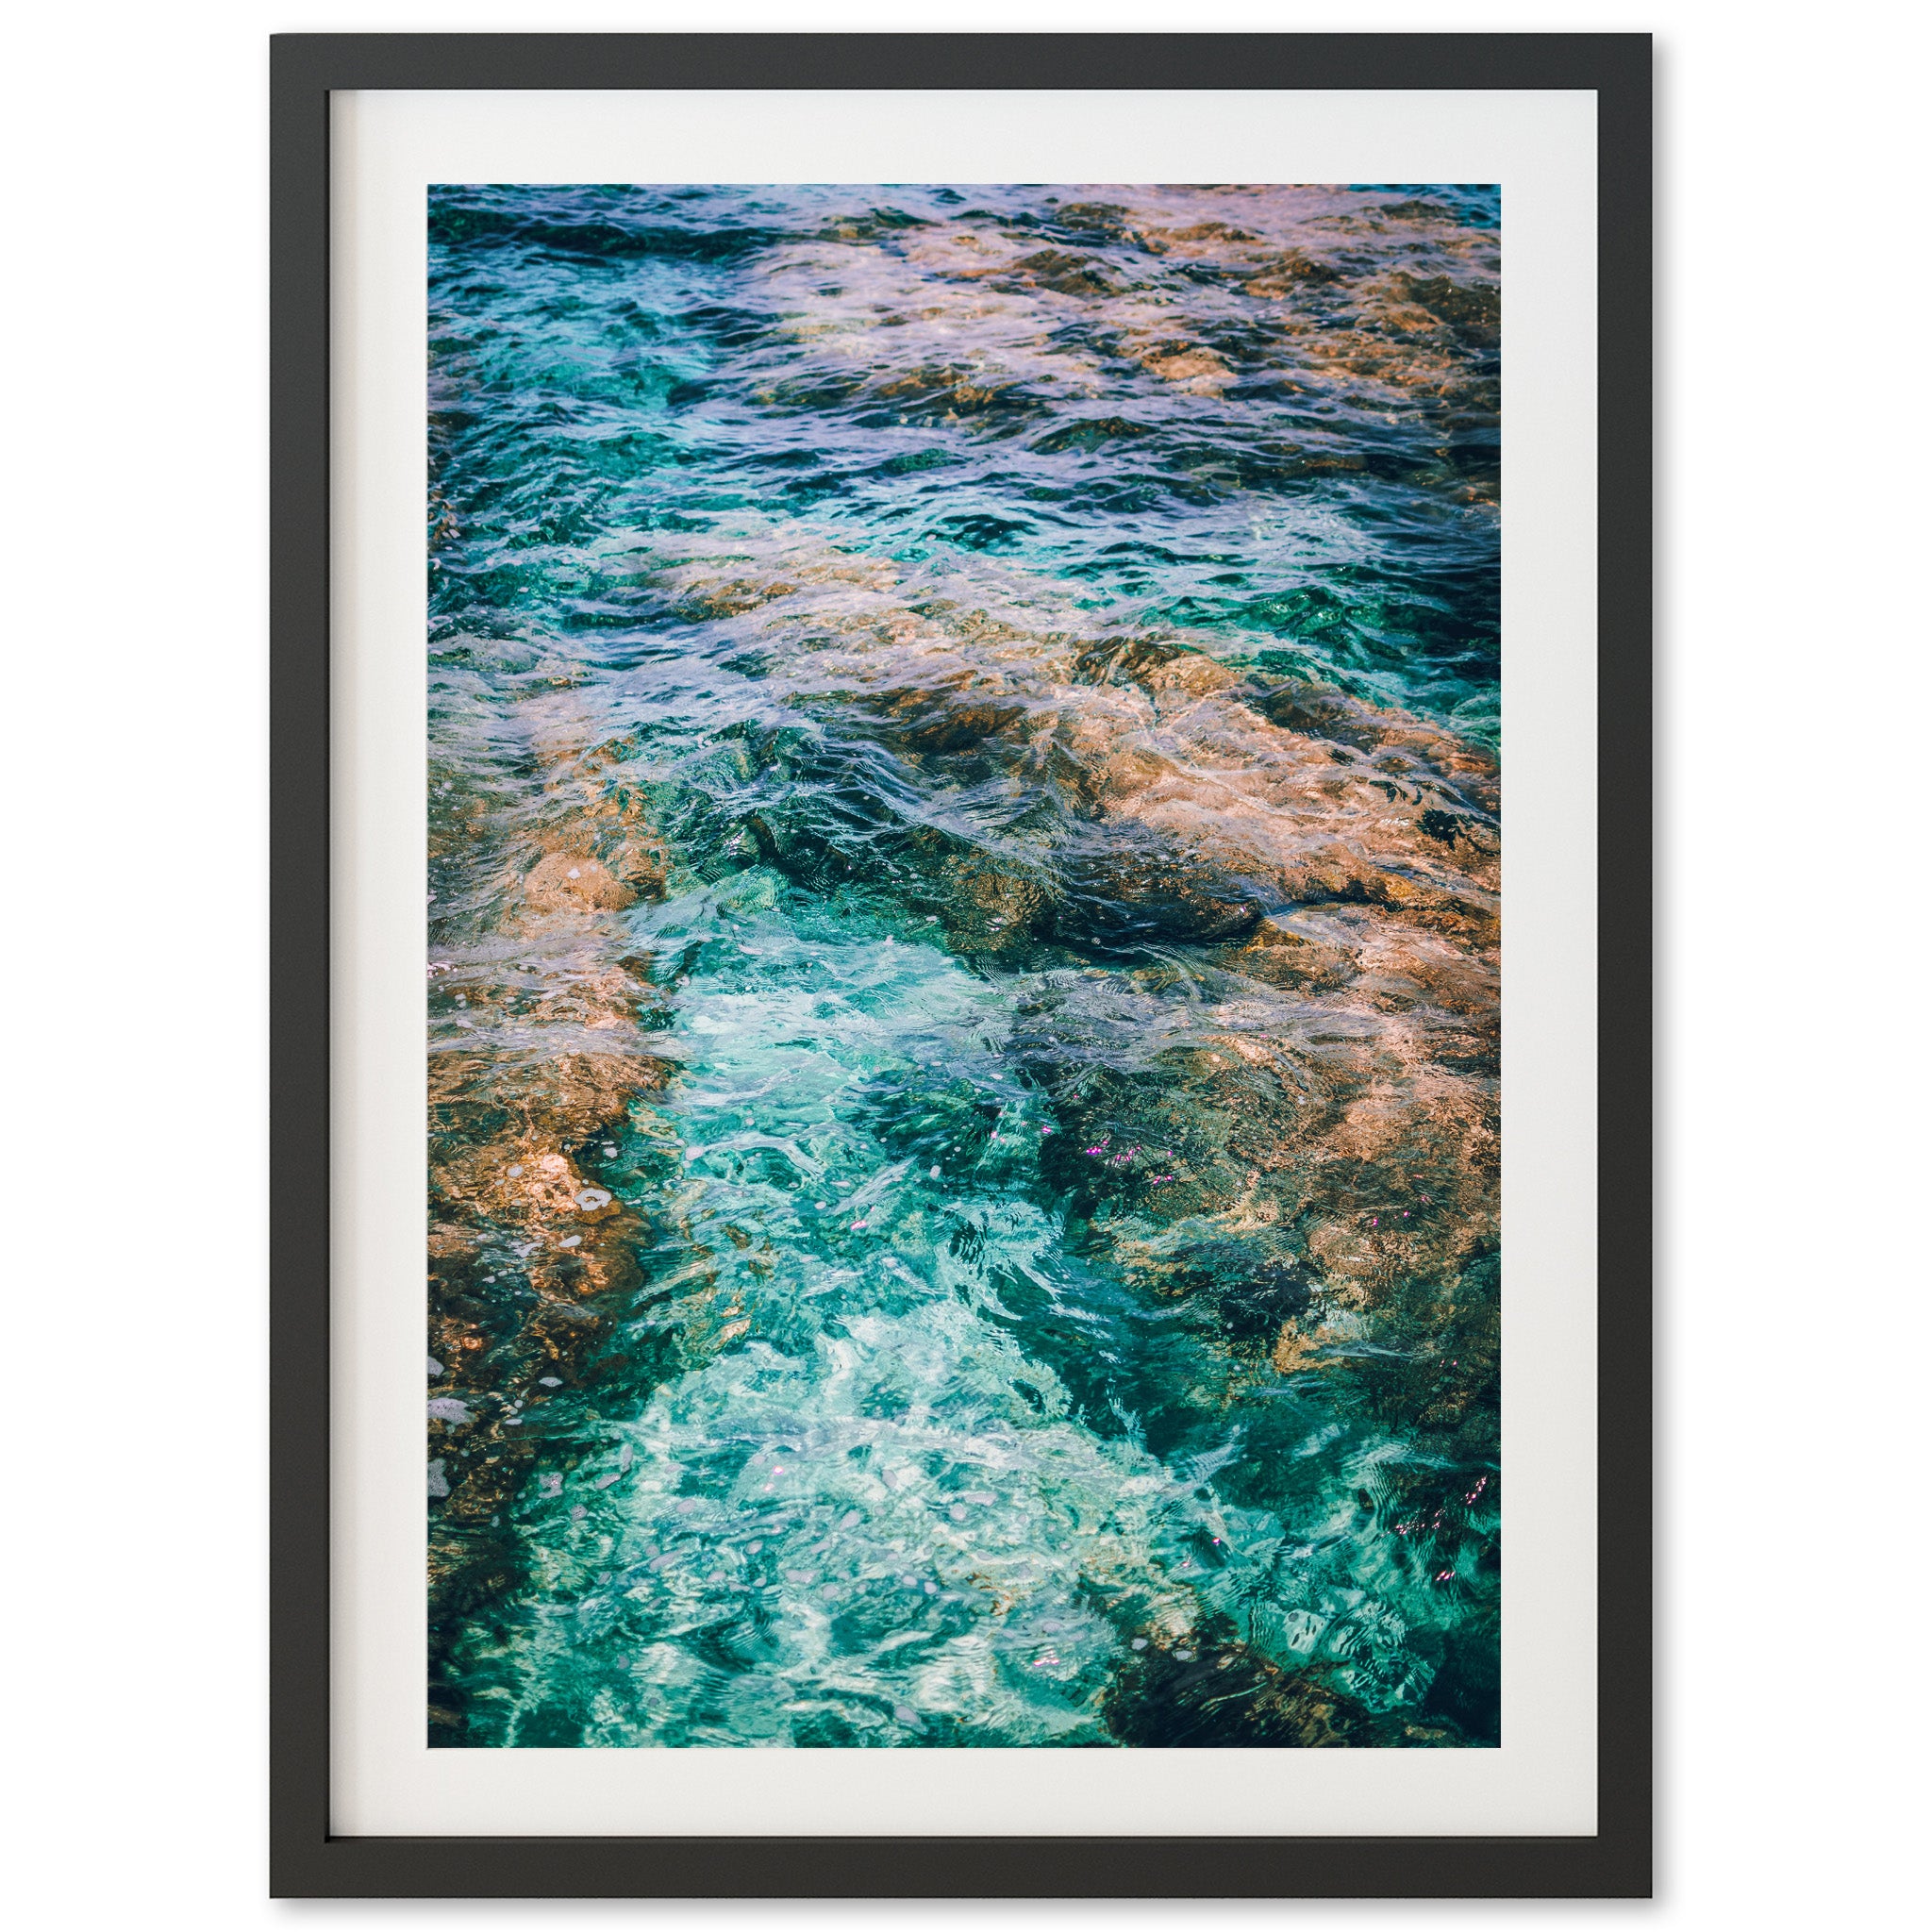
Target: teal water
{"points": [[963, 944]]}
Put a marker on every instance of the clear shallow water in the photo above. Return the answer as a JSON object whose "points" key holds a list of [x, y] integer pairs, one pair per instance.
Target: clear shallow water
{"points": [[962, 956]]}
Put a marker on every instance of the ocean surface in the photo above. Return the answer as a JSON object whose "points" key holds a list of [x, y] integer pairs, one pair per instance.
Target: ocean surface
{"points": [[963, 948]]}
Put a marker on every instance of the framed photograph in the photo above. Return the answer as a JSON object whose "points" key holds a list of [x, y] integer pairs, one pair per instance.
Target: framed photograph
{"points": [[961, 864]]}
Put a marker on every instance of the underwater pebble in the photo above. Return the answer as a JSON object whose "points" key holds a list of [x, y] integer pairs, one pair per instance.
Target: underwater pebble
{"points": [[752, 1549], [957, 1512], [549, 1381], [1138, 1643], [578, 1510], [446, 1409], [593, 1197], [932, 1590], [551, 1484], [571, 1240], [623, 1456], [905, 1714], [435, 1366], [611, 1152], [439, 1483], [515, 1171], [1187, 1657]]}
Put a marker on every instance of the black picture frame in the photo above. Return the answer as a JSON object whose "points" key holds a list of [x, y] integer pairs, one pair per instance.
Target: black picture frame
{"points": [[306, 1859]]}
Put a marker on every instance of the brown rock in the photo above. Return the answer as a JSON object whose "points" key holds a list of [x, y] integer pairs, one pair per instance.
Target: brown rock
{"points": [[568, 880]]}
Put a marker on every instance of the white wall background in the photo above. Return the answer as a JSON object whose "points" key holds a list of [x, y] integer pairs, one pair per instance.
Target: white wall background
{"points": [[1792, 875]]}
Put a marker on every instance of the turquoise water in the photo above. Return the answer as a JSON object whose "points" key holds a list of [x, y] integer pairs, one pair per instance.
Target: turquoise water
{"points": [[963, 946]]}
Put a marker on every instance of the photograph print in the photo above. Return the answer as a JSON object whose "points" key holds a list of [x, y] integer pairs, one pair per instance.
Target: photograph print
{"points": [[963, 965]]}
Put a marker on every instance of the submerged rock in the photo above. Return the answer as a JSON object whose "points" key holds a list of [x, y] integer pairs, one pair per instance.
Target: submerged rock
{"points": [[1217, 1694], [566, 879], [1135, 894], [1253, 1293], [1283, 956]]}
